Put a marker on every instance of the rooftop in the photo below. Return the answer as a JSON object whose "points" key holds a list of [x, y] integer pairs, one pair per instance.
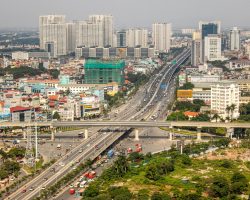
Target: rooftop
{"points": [[104, 64], [19, 109]]}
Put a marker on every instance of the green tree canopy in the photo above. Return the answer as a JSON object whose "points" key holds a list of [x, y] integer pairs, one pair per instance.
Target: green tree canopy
{"points": [[239, 183], [219, 187], [177, 116], [187, 86], [56, 116]]}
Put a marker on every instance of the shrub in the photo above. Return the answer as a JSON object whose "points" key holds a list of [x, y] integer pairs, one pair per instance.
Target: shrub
{"points": [[143, 194], [160, 196], [120, 193], [226, 164], [219, 187], [239, 183]]}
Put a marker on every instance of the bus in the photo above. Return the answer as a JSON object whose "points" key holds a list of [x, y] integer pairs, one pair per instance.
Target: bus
{"points": [[80, 135]]}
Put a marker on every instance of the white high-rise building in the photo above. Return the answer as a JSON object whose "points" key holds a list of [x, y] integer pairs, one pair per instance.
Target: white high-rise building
{"points": [[225, 94], [208, 28], [137, 37], [212, 47], [71, 37], [235, 39], [89, 34], [52, 34], [161, 36], [107, 25]]}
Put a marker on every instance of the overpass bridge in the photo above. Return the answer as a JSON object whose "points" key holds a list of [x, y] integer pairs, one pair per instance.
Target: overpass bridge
{"points": [[130, 124]]}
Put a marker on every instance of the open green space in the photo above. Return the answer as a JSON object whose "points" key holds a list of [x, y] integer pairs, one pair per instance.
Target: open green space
{"points": [[171, 175]]}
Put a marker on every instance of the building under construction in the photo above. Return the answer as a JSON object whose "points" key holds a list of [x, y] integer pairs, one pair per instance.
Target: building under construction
{"points": [[104, 71]]}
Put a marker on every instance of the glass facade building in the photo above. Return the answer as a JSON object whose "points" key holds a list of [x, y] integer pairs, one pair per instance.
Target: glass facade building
{"points": [[210, 28]]}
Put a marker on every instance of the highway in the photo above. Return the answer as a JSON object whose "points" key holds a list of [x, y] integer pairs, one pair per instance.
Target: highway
{"points": [[87, 149]]}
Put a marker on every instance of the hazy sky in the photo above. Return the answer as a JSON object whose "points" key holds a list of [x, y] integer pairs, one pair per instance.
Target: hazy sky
{"points": [[128, 13]]}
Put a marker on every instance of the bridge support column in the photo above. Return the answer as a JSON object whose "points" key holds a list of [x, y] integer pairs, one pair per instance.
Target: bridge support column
{"points": [[86, 134], [198, 134], [170, 136], [230, 132], [25, 133], [136, 135], [171, 133], [53, 132]]}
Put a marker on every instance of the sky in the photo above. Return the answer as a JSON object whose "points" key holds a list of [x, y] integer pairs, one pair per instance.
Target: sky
{"points": [[128, 13]]}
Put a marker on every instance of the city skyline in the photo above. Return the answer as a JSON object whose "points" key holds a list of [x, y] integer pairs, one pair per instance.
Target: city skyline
{"points": [[141, 14]]}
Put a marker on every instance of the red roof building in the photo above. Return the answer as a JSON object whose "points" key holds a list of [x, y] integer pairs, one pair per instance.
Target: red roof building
{"points": [[191, 114], [19, 109]]}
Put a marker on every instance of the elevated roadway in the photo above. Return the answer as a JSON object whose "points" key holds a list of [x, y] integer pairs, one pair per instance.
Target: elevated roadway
{"points": [[131, 124]]}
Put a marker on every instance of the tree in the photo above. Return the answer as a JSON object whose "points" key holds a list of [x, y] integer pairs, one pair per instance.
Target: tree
{"points": [[11, 166], [177, 116], [120, 193], [91, 191], [243, 109], [228, 109], [199, 102], [54, 73], [239, 183], [233, 106], [216, 117], [17, 152], [186, 160], [220, 131], [219, 187], [152, 172], [3, 174], [4, 155], [135, 156], [143, 194], [187, 86], [56, 116], [201, 117], [121, 166]]}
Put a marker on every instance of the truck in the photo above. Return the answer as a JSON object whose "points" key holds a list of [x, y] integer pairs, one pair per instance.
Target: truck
{"points": [[72, 191], [129, 150], [80, 135], [16, 141], [59, 146], [110, 153], [138, 148], [90, 174], [82, 184]]}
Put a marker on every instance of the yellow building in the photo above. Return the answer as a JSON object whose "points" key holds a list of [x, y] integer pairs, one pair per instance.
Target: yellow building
{"points": [[184, 95]]}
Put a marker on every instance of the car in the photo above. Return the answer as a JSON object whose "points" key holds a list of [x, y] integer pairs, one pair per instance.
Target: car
{"points": [[76, 185], [24, 190], [31, 189], [62, 164], [45, 179], [43, 188], [71, 186]]}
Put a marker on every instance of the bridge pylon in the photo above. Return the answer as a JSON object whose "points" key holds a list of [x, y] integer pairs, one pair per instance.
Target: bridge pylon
{"points": [[86, 134], [198, 134], [137, 135]]}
